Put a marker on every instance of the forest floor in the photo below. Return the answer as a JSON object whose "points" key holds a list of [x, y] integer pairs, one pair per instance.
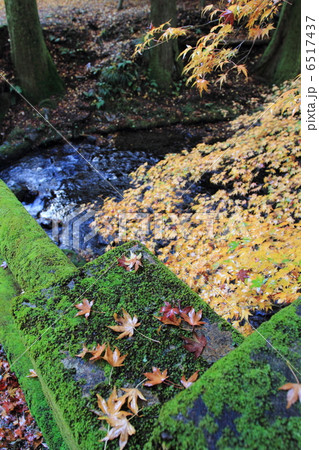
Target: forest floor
{"points": [[85, 39], [91, 44]]}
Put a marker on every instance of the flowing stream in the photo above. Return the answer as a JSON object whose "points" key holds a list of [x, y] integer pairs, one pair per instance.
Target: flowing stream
{"points": [[54, 184]]}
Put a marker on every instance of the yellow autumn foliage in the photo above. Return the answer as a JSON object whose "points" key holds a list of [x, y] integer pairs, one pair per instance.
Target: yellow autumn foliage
{"points": [[225, 217]]}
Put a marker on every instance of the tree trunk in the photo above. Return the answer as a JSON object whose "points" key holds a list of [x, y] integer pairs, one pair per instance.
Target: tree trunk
{"points": [[36, 72], [120, 5], [282, 58], [163, 57]]}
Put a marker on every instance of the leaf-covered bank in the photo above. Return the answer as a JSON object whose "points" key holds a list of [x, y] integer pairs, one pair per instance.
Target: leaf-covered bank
{"points": [[225, 217]]}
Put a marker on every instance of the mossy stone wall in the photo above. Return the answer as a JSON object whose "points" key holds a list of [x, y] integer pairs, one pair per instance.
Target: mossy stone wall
{"points": [[32, 257], [236, 404], [11, 339], [54, 335]]}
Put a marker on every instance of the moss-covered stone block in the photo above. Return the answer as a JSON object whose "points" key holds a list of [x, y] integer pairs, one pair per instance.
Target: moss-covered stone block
{"points": [[236, 404], [54, 336], [12, 341], [32, 257]]}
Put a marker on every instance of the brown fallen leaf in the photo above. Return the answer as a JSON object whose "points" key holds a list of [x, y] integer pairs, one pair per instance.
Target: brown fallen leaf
{"points": [[114, 358], [97, 352], [155, 377], [84, 351], [168, 310], [84, 307], [126, 325], [122, 428], [116, 418], [192, 317], [132, 396], [134, 261], [293, 394], [195, 345], [32, 374], [112, 406], [171, 320], [190, 381]]}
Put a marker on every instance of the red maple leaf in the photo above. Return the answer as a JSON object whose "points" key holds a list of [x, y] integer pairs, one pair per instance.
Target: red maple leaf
{"points": [[228, 15], [195, 345], [168, 310], [242, 275]]}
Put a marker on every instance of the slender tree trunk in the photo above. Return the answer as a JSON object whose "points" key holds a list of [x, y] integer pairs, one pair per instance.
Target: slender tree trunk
{"points": [[34, 67], [282, 58], [120, 5], [163, 58]]}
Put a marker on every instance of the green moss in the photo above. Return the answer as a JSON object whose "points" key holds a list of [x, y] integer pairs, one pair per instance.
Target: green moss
{"points": [[33, 258], [240, 394], [10, 338], [53, 332]]}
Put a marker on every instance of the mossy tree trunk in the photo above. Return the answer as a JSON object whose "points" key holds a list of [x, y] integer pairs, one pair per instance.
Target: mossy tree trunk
{"points": [[34, 67], [163, 58], [282, 57], [119, 5]]}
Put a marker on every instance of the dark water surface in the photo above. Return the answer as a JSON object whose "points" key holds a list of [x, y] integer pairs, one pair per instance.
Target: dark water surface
{"points": [[53, 184]]}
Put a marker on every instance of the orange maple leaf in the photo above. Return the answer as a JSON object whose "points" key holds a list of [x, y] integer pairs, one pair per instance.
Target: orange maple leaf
{"points": [[126, 325], [132, 396], [97, 352], [112, 406], [293, 394], [114, 358], [84, 351], [190, 381], [84, 307], [172, 320], [193, 317], [155, 377]]}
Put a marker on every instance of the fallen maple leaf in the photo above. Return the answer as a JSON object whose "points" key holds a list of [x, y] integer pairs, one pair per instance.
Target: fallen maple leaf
{"points": [[172, 320], [293, 394], [111, 407], [84, 351], [168, 310], [114, 358], [242, 275], [193, 317], [195, 345], [84, 307], [126, 325], [129, 263], [97, 352], [155, 377], [115, 417], [32, 374], [132, 396], [120, 427], [190, 381]]}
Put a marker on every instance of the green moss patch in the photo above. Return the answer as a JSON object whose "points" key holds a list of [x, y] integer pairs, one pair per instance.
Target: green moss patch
{"points": [[54, 335], [236, 403], [32, 257], [11, 339]]}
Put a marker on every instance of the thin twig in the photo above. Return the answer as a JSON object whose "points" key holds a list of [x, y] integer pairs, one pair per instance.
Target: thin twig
{"points": [[150, 339]]}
